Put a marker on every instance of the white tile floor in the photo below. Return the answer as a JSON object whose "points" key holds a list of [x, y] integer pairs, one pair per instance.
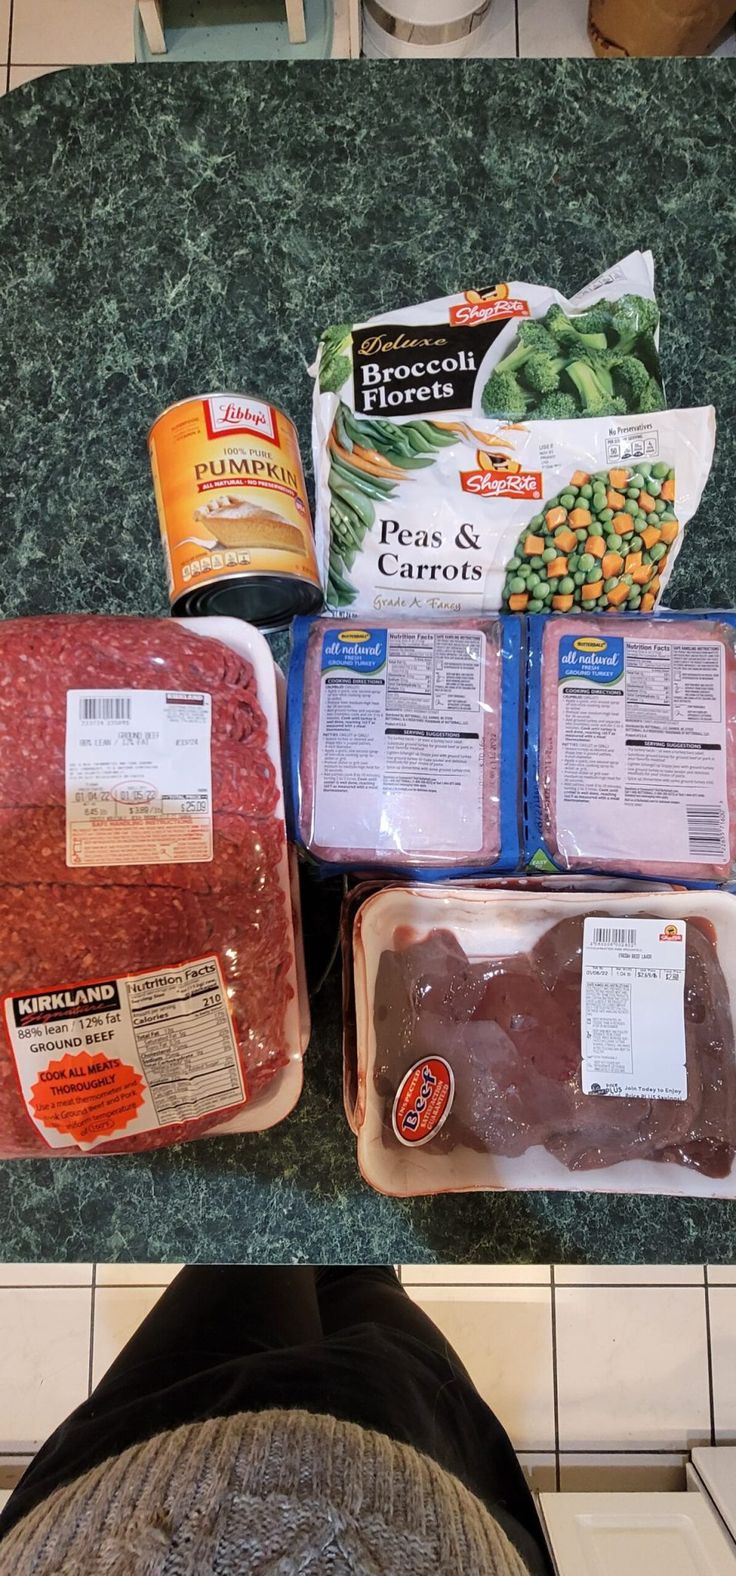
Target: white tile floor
{"points": [[603, 1376], [37, 36]]}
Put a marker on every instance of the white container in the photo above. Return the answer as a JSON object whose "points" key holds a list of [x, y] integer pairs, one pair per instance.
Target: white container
{"points": [[491, 923], [424, 29], [646, 1534]]}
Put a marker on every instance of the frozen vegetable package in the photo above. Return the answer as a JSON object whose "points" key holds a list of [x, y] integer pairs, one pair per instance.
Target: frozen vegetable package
{"points": [[427, 487], [147, 955], [521, 1039], [405, 743], [631, 759]]}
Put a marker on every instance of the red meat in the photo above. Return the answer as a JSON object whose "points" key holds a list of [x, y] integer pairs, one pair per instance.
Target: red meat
{"points": [[62, 925], [363, 856], [646, 629], [510, 1029]]}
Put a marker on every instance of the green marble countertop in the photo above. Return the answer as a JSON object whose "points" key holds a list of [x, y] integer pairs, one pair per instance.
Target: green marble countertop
{"points": [[164, 231]]}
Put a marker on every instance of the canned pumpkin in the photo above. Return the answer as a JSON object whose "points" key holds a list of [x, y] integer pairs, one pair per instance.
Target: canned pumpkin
{"points": [[233, 510]]}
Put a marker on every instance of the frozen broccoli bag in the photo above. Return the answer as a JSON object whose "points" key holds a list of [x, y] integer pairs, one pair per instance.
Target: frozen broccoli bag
{"points": [[446, 434]]}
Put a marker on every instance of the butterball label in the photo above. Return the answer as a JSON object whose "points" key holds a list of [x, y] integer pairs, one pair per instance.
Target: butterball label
{"points": [[355, 650], [591, 659]]}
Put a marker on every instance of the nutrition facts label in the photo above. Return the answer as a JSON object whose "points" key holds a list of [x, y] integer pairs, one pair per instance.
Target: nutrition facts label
{"points": [[108, 1059], [641, 751], [138, 777], [185, 1041], [401, 741], [632, 1008]]}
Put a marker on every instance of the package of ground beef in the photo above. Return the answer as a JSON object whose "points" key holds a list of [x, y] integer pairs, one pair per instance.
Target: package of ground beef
{"points": [[631, 761], [147, 956], [405, 743], [524, 1039]]}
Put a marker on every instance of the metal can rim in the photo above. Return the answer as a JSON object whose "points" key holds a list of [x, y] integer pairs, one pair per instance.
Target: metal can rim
{"points": [[189, 603]]}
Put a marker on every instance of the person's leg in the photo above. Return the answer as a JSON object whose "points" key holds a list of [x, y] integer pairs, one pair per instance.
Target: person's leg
{"points": [[212, 1312], [207, 1318], [449, 1420], [372, 1293]]}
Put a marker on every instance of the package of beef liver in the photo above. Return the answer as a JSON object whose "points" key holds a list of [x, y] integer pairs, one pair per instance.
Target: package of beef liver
{"points": [[405, 744], [631, 760], [147, 955], [360, 889], [544, 1039]]}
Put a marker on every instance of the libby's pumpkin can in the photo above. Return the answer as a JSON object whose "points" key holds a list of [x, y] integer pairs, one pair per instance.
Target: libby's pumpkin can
{"points": [[233, 510]]}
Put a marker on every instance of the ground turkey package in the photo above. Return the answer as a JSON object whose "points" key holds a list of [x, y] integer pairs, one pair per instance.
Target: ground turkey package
{"points": [[631, 762], [498, 449], [561, 1040], [405, 743], [146, 939]]}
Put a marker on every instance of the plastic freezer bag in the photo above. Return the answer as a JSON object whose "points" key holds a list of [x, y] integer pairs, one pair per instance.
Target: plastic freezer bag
{"points": [[423, 486], [475, 515], [631, 762], [146, 937], [478, 1067], [405, 743]]}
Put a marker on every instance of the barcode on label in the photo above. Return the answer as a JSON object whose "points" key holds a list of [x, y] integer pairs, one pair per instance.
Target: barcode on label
{"points": [[104, 708], [706, 831], [613, 936]]}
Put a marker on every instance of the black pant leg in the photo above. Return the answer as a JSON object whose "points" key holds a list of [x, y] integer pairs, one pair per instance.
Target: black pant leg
{"points": [[372, 1293], [209, 1316], [485, 1457], [212, 1312]]}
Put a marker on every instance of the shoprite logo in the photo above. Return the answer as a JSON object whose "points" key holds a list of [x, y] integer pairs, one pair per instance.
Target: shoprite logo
{"points": [[671, 933], [487, 305]]}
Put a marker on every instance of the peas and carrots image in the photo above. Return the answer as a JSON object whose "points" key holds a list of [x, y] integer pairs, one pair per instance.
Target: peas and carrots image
{"points": [[600, 544]]}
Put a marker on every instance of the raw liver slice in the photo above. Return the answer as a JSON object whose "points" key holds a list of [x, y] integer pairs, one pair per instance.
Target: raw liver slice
{"points": [[510, 1028], [645, 629], [60, 926], [489, 852]]}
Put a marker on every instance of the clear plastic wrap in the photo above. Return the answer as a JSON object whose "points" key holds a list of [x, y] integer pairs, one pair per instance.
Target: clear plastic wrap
{"points": [[147, 959], [405, 743], [362, 888], [631, 762], [467, 1012]]}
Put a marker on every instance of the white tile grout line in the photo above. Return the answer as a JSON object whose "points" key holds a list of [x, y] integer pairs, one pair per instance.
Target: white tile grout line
{"points": [[456, 1285], [555, 1389], [9, 42], [709, 1358], [586, 1285], [93, 1293], [626, 1450]]}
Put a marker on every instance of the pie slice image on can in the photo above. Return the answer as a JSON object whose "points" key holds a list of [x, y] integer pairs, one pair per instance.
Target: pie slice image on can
{"points": [[233, 510]]}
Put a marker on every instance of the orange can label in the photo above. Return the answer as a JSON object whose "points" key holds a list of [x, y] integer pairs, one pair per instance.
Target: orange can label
{"points": [[230, 492]]}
